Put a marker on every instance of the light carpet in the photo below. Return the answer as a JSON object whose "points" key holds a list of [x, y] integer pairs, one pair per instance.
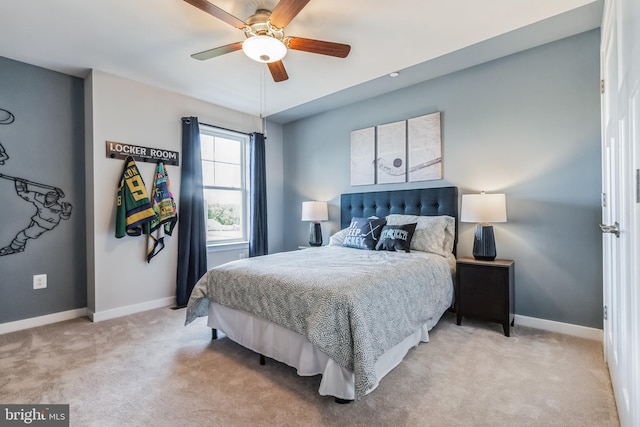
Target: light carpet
{"points": [[148, 369]]}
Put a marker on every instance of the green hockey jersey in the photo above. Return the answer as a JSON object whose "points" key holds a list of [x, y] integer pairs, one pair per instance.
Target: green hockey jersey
{"points": [[134, 212]]}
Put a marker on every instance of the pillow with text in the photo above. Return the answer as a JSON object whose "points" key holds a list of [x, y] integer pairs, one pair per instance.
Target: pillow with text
{"points": [[363, 233]]}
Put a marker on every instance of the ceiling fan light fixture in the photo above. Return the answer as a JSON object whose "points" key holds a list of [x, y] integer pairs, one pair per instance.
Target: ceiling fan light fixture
{"points": [[264, 49]]}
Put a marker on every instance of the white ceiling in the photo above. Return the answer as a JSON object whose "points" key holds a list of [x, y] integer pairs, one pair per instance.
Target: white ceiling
{"points": [[151, 41]]}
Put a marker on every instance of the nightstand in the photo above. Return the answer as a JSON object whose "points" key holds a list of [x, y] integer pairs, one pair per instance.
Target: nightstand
{"points": [[485, 289]]}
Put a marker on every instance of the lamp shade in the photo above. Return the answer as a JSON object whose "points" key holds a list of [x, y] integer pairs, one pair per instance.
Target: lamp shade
{"points": [[264, 48], [483, 208], [315, 211]]}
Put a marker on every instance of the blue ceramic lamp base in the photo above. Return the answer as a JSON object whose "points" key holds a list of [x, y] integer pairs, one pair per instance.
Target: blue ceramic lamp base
{"points": [[484, 243], [315, 234]]}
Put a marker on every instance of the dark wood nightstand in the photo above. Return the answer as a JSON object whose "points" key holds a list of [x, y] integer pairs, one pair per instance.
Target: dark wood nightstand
{"points": [[485, 289]]}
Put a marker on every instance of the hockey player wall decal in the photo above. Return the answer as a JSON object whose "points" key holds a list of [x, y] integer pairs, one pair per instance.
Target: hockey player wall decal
{"points": [[46, 199], [6, 118], [3, 155], [49, 212]]}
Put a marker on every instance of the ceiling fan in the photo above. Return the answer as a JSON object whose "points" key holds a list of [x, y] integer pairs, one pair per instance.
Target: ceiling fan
{"points": [[265, 40]]}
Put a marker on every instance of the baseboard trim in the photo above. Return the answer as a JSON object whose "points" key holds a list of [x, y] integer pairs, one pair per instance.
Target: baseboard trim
{"points": [[34, 322], [18, 325], [559, 327], [130, 309]]}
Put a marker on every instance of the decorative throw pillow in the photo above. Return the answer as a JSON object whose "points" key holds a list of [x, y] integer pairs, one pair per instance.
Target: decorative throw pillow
{"points": [[363, 233], [337, 239], [396, 237], [434, 234]]}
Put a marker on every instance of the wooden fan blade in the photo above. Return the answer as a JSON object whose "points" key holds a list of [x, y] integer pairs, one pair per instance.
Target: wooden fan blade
{"points": [[318, 46], [285, 11], [212, 53], [217, 12], [278, 72]]}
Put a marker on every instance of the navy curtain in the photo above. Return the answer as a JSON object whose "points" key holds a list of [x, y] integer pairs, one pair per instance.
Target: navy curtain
{"points": [[258, 243], [192, 232]]}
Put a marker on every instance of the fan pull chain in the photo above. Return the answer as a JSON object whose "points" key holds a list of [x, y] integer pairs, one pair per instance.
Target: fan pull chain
{"points": [[263, 103]]}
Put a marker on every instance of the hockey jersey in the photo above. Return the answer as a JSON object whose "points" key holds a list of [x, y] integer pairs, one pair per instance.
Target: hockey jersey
{"points": [[165, 208], [134, 212]]}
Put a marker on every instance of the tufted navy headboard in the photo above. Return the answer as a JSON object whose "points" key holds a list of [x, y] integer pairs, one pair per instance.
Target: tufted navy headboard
{"points": [[420, 201]]}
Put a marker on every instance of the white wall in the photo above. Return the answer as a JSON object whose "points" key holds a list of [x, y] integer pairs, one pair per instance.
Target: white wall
{"points": [[120, 281]]}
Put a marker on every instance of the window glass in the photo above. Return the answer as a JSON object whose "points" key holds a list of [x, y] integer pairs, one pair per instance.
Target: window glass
{"points": [[206, 146], [227, 175], [228, 151], [225, 182], [225, 218]]}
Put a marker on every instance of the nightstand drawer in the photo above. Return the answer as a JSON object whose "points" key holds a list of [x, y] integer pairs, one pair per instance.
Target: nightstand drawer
{"points": [[485, 291]]}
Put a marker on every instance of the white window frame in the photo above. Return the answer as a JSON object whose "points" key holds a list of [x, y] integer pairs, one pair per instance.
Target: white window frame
{"points": [[244, 173]]}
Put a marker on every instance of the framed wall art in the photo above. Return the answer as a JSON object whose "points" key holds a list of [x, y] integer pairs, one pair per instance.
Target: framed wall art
{"points": [[391, 158], [363, 150], [405, 151], [424, 148]]}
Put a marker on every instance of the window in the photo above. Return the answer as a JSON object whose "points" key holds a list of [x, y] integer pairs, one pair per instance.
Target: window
{"points": [[226, 184]]}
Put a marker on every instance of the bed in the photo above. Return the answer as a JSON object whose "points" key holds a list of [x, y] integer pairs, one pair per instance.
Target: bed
{"points": [[346, 313]]}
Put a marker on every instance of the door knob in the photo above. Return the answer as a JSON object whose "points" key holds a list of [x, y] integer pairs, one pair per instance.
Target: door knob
{"points": [[614, 229]]}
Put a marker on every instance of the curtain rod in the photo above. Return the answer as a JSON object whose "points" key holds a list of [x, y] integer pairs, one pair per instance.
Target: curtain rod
{"points": [[220, 127]]}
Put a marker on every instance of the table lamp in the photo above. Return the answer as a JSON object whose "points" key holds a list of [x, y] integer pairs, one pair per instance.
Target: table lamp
{"points": [[484, 209], [315, 212]]}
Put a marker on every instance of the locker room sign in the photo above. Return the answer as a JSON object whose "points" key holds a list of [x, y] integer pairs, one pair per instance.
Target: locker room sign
{"points": [[119, 150]]}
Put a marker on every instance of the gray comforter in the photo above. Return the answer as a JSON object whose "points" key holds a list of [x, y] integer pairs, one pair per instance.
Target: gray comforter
{"points": [[352, 304]]}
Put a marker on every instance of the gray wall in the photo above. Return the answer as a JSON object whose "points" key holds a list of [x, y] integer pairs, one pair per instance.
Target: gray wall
{"points": [[527, 125], [45, 145], [275, 196]]}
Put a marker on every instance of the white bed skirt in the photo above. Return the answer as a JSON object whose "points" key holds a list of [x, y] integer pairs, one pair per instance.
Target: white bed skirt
{"points": [[293, 349]]}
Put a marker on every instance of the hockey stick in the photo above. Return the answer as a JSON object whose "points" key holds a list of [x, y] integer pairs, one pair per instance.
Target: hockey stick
{"points": [[34, 184]]}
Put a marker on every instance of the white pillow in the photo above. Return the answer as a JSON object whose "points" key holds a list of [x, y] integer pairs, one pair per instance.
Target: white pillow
{"points": [[433, 234], [338, 238]]}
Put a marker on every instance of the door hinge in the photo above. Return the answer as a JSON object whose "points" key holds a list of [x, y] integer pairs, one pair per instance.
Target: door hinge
{"points": [[604, 200], [602, 86], [604, 312]]}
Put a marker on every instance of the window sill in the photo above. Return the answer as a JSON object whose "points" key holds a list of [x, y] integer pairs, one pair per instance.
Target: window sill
{"points": [[221, 247]]}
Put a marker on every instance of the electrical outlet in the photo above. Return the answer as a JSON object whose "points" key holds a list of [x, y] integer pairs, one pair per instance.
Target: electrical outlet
{"points": [[39, 281]]}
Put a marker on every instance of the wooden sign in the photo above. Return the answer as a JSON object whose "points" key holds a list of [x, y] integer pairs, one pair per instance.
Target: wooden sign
{"points": [[118, 150]]}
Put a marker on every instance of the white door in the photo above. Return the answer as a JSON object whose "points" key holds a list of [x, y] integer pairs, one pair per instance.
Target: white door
{"points": [[621, 205], [611, 180]]}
